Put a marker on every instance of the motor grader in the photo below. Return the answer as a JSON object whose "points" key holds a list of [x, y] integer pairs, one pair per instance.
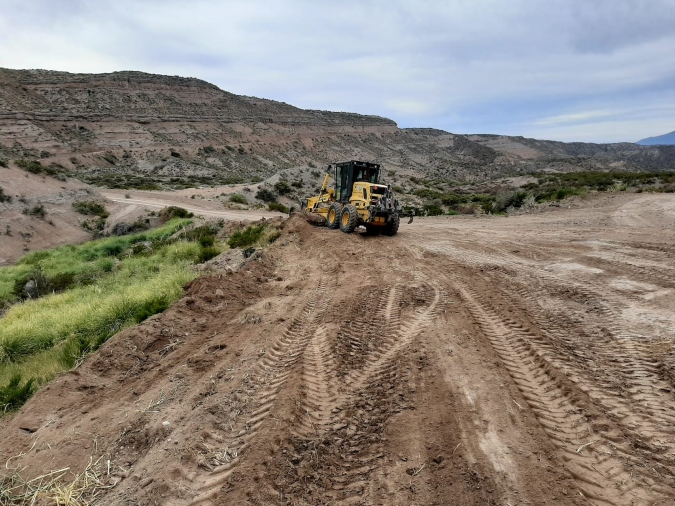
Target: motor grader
{"points": [[357, 199]]}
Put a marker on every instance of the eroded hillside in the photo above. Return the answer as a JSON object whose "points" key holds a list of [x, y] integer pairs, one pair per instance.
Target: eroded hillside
{"points": [[131, 129]]}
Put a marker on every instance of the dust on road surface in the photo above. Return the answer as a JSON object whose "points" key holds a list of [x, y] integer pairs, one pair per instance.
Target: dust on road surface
{"points": [[491, 360]]}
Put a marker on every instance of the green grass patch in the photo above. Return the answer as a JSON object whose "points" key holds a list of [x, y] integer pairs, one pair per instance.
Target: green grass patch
{"points": [[246, 237], [80, 296]]}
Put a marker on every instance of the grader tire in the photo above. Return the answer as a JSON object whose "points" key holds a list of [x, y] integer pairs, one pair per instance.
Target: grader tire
{"points": [[349, 219], [333, 216], [391, 228]]}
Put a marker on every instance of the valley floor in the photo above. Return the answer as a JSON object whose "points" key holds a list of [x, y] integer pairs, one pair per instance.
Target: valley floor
{"points": [[468, 360]]}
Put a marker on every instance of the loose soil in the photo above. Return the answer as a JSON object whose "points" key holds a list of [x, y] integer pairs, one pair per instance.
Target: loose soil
{"points": [[468, 360]]}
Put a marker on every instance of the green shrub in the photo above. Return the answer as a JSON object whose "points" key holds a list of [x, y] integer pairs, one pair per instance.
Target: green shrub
{"points": [[13, 396], [198, 232], [207, 240], [246, 237], [432, 210], [61, 281], [112, 249], [32, 166], [151, 307], [238, 199], [207, 253], [282, 188], [38, 211], [3, 163], [3, 197], [90, 207], [171, 212], [266, 195], [275, 206], [96, 225]]}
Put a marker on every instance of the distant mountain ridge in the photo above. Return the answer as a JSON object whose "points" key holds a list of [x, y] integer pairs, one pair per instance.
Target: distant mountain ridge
{"points": [[133, 129], [659, 140]]}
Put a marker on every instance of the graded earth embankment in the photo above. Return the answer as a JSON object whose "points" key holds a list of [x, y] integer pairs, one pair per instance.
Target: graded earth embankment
{"points": [[492, 360]]}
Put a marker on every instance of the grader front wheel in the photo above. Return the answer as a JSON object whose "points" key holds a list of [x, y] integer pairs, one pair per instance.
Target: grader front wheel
{"points": [[333, 216]]}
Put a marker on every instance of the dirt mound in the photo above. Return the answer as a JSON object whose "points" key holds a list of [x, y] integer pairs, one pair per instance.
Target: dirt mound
{"points": [[464, 361]]}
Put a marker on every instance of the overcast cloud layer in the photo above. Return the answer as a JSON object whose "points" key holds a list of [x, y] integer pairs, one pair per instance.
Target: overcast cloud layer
{"points": [[571, 70]]}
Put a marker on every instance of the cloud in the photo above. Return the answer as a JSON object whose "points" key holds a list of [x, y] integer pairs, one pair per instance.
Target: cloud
{"points": [[463, 66]]}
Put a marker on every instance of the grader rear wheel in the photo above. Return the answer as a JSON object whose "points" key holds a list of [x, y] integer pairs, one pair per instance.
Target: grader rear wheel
{"points": [[349, 219]]}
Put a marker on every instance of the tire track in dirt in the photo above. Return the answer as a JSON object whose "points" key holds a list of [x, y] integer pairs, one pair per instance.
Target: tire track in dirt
{"points": [[627, 369], [624, 354], [271, 372], [343, 409], [589, 444]]}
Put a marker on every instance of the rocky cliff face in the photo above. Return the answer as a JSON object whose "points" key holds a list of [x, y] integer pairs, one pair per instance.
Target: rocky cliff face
{"points": [[131, 129]]}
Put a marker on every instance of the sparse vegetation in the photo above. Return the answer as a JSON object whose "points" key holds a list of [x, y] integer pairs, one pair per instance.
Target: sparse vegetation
{"points": [[282, 187], [266, 195], [171, 212], [548, 188], [275, 206], [238, 199], [38, 211], [3, 197], [90, 207], [32, 166]]}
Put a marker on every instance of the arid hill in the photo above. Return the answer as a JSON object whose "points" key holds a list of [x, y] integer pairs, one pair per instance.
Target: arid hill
{"points": [[144, 130]]}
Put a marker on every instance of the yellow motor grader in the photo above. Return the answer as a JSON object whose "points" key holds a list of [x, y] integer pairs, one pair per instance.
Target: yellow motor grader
{"points": [[357, 199]]}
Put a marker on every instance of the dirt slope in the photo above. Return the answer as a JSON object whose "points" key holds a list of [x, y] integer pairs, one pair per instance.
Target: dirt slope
{"points": [[519, 360]]}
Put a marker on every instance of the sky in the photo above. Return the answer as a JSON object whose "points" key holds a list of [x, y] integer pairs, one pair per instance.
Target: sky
{"points": [[568, 70]]}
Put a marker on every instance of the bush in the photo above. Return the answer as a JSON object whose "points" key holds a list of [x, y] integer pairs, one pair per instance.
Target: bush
{"points": [[32, 166], [3, 197], [238, 199], [266, 195], [282, 188], [207, 253], [94, 225], [171, 212], [432, 210], [13, 396], [207, 240], [3, 163], [90, 207], [275, 206], [32, 285], [198, 232], [246, 237], [38, 211]]}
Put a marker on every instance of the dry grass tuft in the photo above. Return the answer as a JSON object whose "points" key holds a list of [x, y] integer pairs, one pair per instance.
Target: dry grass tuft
{"points": [[53, 489]]}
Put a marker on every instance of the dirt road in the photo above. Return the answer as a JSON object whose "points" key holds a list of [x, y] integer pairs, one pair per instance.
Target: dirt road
{"points": [[502, 361], [138, 199]]}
